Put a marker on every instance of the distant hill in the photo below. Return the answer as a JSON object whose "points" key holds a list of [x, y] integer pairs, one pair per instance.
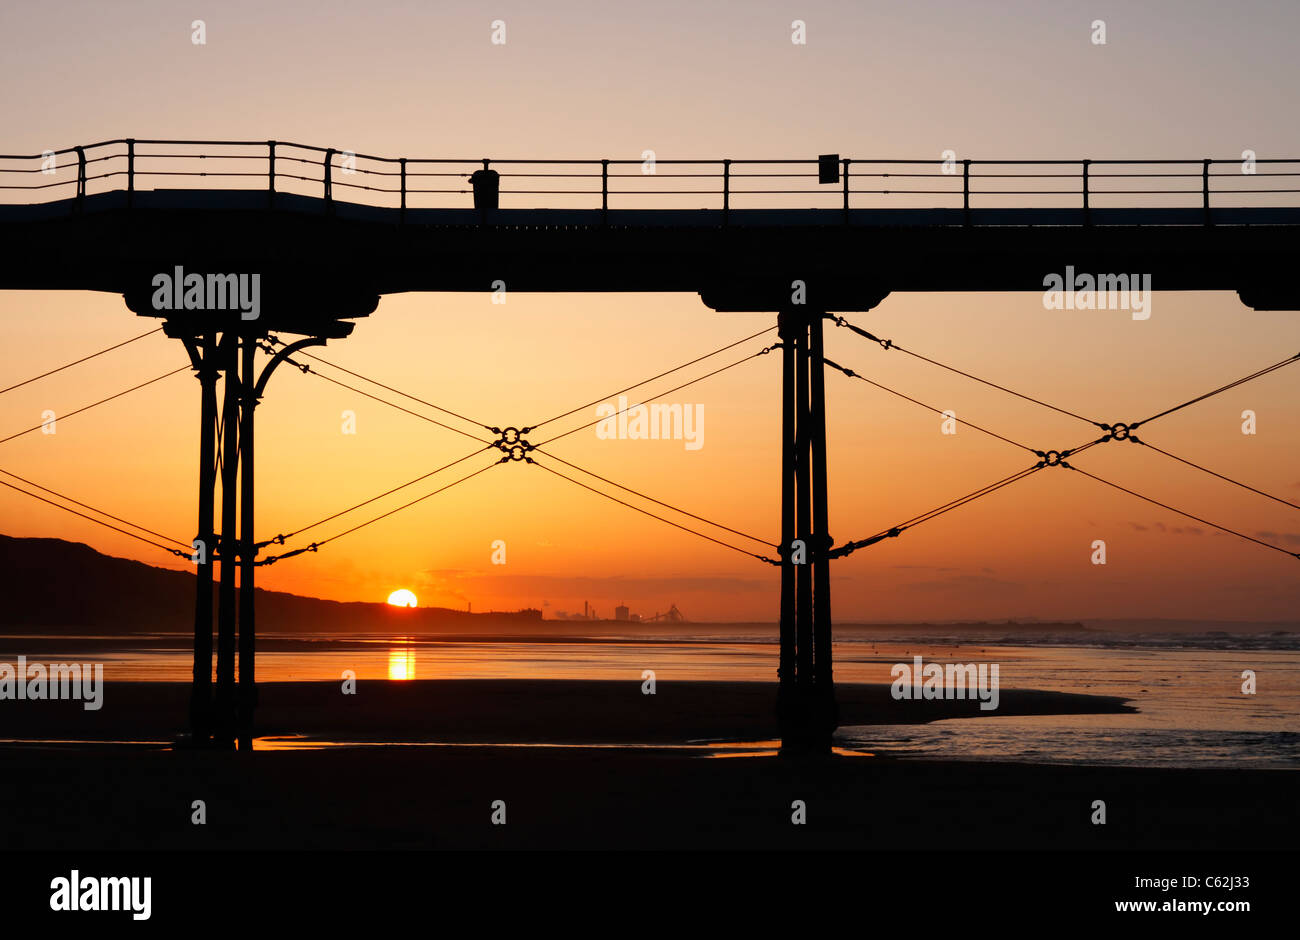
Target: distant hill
{"points": [[57, 586]]}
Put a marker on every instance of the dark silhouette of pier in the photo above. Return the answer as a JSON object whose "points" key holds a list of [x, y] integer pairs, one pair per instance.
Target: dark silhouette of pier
{"points": [[328, 232]]}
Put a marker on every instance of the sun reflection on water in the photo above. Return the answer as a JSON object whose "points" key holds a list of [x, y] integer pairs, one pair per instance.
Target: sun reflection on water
{"points": [[401, 662]]}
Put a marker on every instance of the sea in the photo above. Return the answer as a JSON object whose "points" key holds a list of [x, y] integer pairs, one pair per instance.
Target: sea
{"points": [[1186, 688]]}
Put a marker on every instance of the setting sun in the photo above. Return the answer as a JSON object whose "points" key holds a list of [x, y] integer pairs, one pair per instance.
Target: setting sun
{"points": [[402, 598]]}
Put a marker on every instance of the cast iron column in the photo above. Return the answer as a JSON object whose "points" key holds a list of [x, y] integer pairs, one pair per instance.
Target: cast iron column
{"points": [[825, 713], [247, 553], [224, 723], [201, 693]]}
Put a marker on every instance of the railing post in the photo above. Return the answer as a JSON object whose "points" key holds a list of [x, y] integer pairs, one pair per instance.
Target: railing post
{"points": [[1205, 189], [130, 173], [604, 192], [726, 191], [81, 178], [402, 162], [847, 161], [329, 181], [1087, 211], [270, 192], [965, 191]]}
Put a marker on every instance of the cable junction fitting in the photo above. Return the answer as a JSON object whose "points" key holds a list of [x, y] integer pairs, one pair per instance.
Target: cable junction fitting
{"points": [[1120, 432], [510, 441], [1054, 458]]}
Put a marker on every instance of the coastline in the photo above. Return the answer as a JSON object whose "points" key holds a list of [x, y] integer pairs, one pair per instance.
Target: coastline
{"points": [[517, 711]]}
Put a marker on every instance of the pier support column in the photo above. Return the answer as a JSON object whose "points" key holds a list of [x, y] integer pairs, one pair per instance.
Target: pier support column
{"points": [[224, 718], [247, 547], [826, 710], [806, 708], [787, 669], [222, 344], [203, 354], [249, 386]]}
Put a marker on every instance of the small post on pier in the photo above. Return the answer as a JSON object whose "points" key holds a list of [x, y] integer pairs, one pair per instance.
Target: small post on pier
{"points": [[270, 174], [402, 216], [130, 173], [1087, 208], [604, 192], [965, 192], [81, 178], [1205, 189], [726, 191]]}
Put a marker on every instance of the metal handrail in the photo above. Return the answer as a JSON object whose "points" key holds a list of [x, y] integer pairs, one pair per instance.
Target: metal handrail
{"points": [[857, 177]]}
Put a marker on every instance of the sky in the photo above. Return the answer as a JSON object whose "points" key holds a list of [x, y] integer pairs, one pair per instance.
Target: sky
{"points": [[689, 80]]}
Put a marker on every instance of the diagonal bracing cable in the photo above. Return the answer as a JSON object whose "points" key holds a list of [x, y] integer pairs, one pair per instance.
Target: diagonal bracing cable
{"points": [[98, 403], [314, 546], [280, 539], [628, 489], [645, 512], [1124, 489], [1241, 381], [303, 367], [1244, 486], [101, 522], [396, 391], [855, 375], [890, 344], [77, 362], [894, 531], [653, 378], [109, 515], [762, 352]]}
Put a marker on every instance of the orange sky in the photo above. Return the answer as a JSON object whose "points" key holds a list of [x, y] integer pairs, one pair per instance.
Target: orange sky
{"points": [[581, 80]]}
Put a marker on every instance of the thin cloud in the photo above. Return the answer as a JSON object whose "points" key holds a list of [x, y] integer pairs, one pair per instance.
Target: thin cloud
{"points": [[1287, 538], [1168, 530]]}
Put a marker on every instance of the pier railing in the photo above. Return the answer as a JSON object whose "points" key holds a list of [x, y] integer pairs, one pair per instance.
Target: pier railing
{"points": [[828, 182]]}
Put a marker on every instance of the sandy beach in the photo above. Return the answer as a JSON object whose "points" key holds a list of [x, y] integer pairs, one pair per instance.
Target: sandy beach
{"points": [[413, 794], [503, 711]]}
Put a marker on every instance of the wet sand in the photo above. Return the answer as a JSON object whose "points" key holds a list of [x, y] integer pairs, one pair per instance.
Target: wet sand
{"points": [[104, 796], [408, 797], [504, 711]]}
